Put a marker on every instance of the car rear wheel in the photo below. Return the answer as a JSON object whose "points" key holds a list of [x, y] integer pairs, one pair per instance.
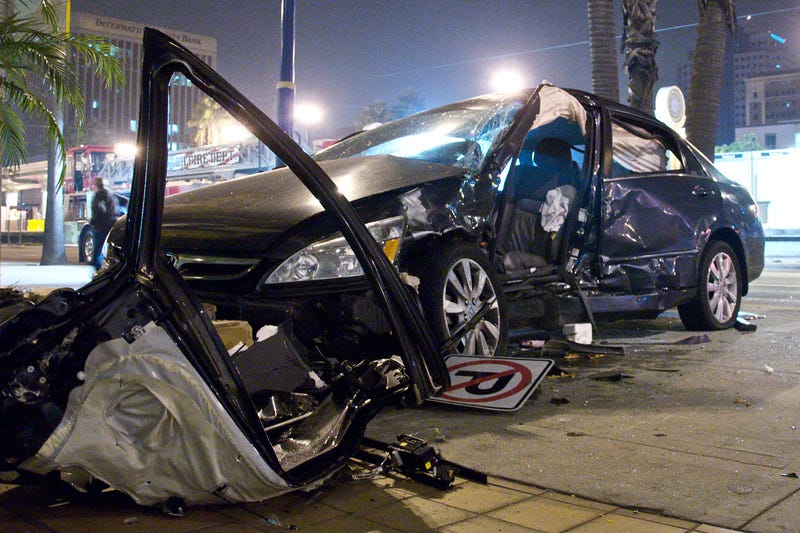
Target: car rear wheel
{"points": [[719, 291], [455, 286]]}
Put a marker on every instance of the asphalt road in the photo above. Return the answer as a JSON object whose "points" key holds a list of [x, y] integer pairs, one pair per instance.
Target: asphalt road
{"points": [[702, 432], [705, 432]]}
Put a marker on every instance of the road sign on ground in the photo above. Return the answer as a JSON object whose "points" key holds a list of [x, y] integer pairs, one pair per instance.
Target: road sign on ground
{"points": [[491, 382]]}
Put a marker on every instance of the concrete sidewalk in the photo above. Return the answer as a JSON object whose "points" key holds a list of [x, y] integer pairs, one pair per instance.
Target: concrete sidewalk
{"points": [[697, 435]]}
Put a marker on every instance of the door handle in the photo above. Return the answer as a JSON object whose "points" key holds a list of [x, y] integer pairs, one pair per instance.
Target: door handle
{"points": [[700, 191]]}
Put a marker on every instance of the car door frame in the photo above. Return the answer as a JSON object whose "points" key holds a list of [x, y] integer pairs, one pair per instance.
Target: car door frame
{"points": [[692, 201], [142, 259]]}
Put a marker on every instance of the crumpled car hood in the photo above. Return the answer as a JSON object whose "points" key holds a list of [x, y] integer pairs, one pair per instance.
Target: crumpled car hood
{"points": [[248, 214]]}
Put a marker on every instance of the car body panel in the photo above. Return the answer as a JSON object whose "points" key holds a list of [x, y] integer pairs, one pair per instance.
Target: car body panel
{"points": [[127, 380]]}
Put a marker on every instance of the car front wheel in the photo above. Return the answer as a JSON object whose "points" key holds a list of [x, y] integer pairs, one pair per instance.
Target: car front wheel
{"points": [[86, 245], [456, 285], [719, 291]]}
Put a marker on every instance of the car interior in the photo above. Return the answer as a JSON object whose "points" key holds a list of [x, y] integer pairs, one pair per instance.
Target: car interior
{"points": [[543, 187]]}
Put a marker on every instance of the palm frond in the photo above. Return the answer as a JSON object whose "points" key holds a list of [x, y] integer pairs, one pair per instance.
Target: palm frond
{"points": [[12, 136]]}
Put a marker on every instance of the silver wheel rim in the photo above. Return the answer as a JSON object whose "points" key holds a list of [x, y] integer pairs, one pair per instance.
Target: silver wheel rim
{"points": [[88, 247], [722, 288], [466, 290]]}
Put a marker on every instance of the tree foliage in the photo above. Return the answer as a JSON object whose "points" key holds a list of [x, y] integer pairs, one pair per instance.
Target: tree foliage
{"points": [[405, 104], [39, 75], [748, 143]]}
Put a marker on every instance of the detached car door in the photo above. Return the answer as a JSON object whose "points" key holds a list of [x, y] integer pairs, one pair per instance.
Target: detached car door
{"points": [[657, 207], [126, 380]]}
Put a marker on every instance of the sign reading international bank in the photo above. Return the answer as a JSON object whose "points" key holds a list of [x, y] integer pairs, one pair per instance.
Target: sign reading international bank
{"points": [[111, 28]]}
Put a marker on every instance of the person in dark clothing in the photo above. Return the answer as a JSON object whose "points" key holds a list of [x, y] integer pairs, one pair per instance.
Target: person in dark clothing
{"points": [[105, 211]]}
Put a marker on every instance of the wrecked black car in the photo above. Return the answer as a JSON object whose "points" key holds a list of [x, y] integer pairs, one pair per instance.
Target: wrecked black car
{"points": [[502, 212], [129, 381]]}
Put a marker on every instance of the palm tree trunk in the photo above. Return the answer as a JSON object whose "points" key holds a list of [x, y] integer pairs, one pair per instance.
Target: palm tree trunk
{"points": [[603, 49], [716, 16], [54, 245], [640, 45]]}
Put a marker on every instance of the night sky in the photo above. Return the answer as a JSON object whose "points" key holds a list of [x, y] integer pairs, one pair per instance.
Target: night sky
{"points": [[350, 53]]}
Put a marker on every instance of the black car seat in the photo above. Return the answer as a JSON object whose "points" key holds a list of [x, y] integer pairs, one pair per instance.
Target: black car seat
{"points": [[530, 249]]}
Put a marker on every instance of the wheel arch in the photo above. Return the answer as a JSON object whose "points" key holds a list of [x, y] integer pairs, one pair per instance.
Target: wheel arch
{"points": [[730, 237], [419, 247]]}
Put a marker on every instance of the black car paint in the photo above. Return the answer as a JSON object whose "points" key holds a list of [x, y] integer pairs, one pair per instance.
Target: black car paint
{"points": [[644, 235], [55, 337]]}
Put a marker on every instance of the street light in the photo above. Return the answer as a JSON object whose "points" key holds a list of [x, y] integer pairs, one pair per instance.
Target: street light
{"points": [[507, 81], [307, 115]]}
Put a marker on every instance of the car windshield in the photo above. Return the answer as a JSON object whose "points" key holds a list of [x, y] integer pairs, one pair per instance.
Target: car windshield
{"points": [[459, 135]]}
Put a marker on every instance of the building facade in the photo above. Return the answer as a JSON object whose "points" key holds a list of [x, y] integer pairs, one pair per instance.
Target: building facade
{"points": [[773, 110], [111, 114]]}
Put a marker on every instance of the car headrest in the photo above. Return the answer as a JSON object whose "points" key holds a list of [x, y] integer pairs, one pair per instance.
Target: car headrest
{"points": [[553, 153]]}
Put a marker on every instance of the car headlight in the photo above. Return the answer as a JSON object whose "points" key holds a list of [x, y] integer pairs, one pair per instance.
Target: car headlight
{"points": [[333, 258]]}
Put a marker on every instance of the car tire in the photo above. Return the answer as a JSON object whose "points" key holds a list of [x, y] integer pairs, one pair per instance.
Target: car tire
{"points": [[716, 304], [454, 285], [86, 244]]}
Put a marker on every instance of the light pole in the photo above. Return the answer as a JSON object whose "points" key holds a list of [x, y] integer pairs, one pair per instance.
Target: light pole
{"points": [[286, 84]]}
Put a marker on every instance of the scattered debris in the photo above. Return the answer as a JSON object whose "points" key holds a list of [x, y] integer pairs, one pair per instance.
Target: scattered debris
{"points": [[438, 436], [580, 332], [744, 326], [611, 375], [686, 341], [559, 401], [660, 435], [740, 489], [576, 434], [131, 520], [564, 347], [769, 369], [556, 372], [671, 370], [740, 400], [750, 316], [273, 521], [532, 343], [415, 458], [790, 474]]}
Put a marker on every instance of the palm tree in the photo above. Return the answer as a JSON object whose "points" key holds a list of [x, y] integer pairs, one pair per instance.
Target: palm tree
{"points": [[207, 117], [603, 49], [377, 111], [407, 103], [640, 46], [716, 18], [39, 78]]}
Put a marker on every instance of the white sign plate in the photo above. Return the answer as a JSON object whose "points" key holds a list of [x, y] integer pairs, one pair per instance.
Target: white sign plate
{"points": [[491, 382]]}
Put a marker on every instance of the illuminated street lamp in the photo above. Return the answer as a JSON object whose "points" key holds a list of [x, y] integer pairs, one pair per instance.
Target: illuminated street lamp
{"points": [[507, 81], [307, 115], [233, 132]]}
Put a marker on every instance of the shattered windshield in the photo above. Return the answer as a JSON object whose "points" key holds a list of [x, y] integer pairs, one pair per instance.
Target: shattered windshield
{"points": [[459, 135]]}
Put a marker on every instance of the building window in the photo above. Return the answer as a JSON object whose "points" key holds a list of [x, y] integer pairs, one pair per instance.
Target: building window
{"points": [[770, 141]]}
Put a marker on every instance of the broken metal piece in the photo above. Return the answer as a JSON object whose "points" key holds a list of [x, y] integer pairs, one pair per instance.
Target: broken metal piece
{"points": [[562, 347], [744, 326], [415, 454]]}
